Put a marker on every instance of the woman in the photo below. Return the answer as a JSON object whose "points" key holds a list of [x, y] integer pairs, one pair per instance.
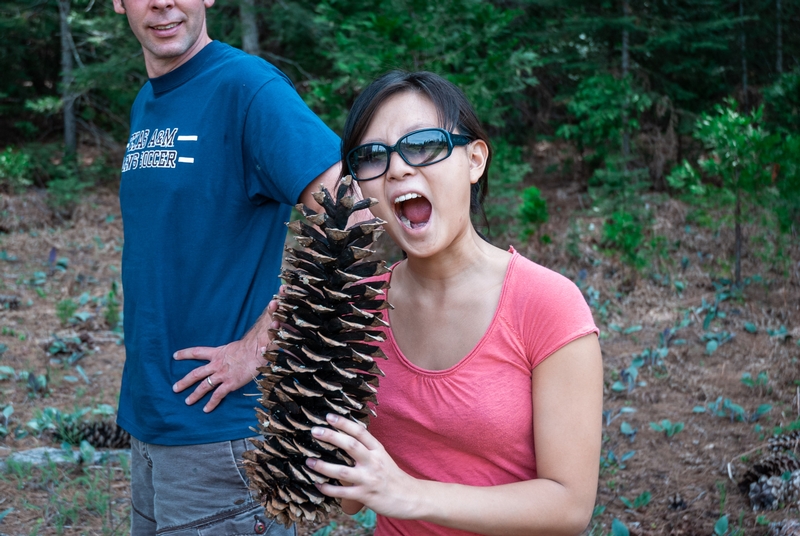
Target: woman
{"points": [[489, 417]]}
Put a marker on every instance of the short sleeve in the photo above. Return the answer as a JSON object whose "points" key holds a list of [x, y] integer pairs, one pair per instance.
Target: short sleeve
{"points": [[553, 311], [286, 145]]}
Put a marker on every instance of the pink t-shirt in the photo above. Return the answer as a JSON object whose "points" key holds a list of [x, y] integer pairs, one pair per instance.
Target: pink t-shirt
{"points": [[473, 423]]}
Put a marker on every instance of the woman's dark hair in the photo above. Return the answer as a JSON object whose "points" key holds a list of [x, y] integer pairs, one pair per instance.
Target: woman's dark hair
{"points": [[455, 115]]}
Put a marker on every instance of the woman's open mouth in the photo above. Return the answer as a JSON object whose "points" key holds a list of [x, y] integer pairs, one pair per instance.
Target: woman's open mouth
{"points": [[413, 210]]}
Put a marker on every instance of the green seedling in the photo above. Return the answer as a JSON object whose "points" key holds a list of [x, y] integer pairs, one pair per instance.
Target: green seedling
{"points": [[628, 431], [112, 313], [6, 413], [628, 377], [721, 526], [760, 381], [7, 372], [609, 416], [780, 333], [667, 427], [639, 502], [610, 460], [715, 340], [750, 327], [726, 408], [65, 309], [618, 528]]}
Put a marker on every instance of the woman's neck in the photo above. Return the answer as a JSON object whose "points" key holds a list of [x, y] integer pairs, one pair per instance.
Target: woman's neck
{"points": [[469, 257]]}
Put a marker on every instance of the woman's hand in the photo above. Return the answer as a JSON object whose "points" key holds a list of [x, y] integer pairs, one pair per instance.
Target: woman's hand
{"points": [[375, 480]]}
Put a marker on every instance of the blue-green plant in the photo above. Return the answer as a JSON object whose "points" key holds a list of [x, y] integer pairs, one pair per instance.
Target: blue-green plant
{"points": [[724, 407], [618, 528], [721, 526], [666, 426], [611, 460], [760, 380], [642, 500]]}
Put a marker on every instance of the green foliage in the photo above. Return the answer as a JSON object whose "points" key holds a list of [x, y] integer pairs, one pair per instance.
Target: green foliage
{"points": [[667, 427], [753, 167], [66, 187], [47, 105], [470, 42], [14, 169], [782, 101], [112, 313], [618, 528], [624, 231], [642, 500], [721, 526], [724, 407], [597, 107], [739, 149], [533, 210], [65, 309], [760, 381], [507, 174]]}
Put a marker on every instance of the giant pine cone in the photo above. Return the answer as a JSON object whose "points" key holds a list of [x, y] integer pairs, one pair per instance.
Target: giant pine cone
{"points": [[324, 362]]}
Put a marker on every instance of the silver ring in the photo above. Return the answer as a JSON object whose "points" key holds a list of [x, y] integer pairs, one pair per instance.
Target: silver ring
{"points": [[208, 379]]}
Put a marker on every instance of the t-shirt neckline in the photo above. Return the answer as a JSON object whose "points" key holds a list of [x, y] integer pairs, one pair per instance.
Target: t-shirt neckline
{"points": [[475, 350], [185, 72]]}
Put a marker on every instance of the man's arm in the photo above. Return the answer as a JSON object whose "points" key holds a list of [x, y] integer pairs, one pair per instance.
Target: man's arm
{"points": [[235, 364]]}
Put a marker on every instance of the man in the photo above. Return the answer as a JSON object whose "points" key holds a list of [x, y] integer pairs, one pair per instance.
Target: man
{"points": [[221, 145]]}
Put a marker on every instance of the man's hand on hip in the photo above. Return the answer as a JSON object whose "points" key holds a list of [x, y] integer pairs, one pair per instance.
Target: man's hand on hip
{"points": [[229, 367]]}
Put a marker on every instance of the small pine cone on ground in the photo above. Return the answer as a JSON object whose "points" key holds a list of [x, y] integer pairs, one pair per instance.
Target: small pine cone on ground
{"points": [[788, 527], [99, 434], [781, 458], [325, 357]]}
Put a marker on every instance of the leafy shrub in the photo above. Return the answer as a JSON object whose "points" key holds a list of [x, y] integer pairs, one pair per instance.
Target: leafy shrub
{"points": [[508, 171], [14, 169], [782, 100], [533, 210]]}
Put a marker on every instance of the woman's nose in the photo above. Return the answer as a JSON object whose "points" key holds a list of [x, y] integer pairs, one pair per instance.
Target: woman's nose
{"points": [[398, 167]]}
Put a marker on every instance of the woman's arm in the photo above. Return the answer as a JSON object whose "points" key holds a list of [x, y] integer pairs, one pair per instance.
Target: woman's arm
{"points": [[567, 416]]}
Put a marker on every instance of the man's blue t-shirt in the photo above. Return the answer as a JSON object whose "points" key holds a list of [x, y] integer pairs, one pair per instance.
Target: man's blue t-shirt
{"points": [[219, 150]]}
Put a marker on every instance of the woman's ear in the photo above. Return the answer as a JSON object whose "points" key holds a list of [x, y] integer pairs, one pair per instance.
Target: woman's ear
{"points": [[478, 154]]}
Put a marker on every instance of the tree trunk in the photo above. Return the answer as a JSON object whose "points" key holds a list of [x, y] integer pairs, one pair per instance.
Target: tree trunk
{"points": [[738, 232], [247, 14], [779, 32], [744, 57], [67, 78], [626, 135]]}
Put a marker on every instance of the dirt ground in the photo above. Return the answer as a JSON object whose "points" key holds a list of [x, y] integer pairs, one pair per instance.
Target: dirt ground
{"points": [[681, 482]]}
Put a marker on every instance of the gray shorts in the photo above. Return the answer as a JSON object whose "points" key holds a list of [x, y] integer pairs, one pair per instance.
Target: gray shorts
{"points": [[195, 490]]}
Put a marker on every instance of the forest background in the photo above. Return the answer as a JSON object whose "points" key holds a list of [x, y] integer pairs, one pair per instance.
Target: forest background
{"points": [[624, 132]]}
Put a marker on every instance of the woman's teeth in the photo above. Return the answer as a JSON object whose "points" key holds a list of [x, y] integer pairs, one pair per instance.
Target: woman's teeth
{"points": [[406, 197]]}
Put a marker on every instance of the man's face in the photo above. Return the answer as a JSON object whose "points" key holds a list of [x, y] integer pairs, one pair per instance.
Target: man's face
{"points": [[170, 31]]}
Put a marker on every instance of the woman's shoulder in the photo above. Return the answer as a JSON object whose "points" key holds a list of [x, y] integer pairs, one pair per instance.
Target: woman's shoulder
{"points": [[528, 277]]}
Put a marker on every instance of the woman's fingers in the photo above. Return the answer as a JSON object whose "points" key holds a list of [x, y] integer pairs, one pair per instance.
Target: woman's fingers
{"points": [[354, 429]]}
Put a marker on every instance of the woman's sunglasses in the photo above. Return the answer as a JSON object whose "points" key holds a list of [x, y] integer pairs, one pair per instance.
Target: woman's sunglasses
{"points": [[419, 148]]}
